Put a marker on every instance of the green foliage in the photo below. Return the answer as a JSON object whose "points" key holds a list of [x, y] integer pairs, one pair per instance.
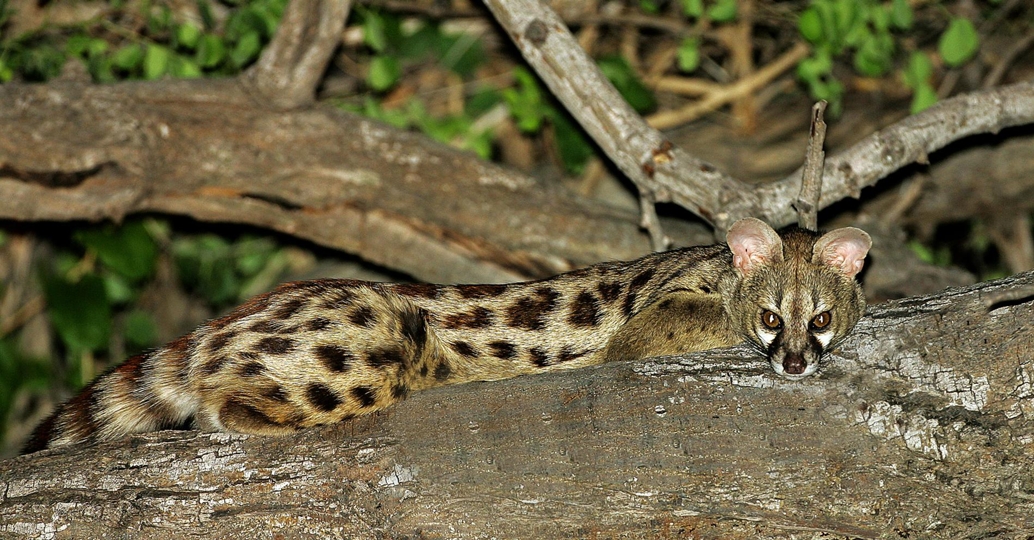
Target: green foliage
{"points": [[79, 311], [226, 272], [163, 47], [689, 54], [959, 42], [128, 250], [618, 70], [917, 75]]}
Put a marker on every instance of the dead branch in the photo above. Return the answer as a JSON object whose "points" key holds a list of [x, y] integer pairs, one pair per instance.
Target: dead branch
{"points": [[920, 425], [811, 185]]}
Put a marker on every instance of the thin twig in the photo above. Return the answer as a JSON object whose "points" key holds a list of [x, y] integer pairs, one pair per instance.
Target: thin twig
{"points": [[727, 93], [1017, 48], [649, 221], [807, 204]]}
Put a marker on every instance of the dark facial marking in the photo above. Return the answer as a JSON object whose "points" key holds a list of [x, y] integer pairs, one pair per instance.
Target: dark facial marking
{"points": [[585, 311], [539, 357], [442, 371], [363, 316], [421, 290], [334, 357], [322, 397], [609, 291], [479, 317], [364, 395], [385, 357], [252, 369], [480, 291], [288, 308], [463, 348], [530, 311], [319, 323], [275, 345], [503, 350]]}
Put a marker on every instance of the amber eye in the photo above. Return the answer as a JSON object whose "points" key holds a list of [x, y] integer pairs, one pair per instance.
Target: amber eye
{"points": [[821, 320], [771, 320]]}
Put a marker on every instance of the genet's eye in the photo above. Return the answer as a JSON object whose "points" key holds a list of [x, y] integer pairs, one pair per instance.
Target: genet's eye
{"points": [[821, 320], [771, 320]]}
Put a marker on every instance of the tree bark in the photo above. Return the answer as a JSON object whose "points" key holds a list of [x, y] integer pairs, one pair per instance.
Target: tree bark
{"points": [[921, 425]]}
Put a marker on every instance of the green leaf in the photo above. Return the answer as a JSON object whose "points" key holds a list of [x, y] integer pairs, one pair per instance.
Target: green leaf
{"points": [[525, 101], [693, 8], [210, 51], [923, 98], [188, 35], [810, 25], [918, 70], [722, 11], [384, 72], [156, 61], [464, 54], [959, 42], [874, 57], [816, 66], [204, 8], [373, 31], [140, 329], [901, 14], [649, 6], [77, 45], [128, 58], [620, 73], [572, 145], [246, 49], [184, 68], [6, 73], [79, 312], [117, 288], [128, 250], [689, 55]]}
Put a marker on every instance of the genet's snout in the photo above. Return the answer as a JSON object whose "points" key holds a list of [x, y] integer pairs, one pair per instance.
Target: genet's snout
{"points": [[794, 363]]}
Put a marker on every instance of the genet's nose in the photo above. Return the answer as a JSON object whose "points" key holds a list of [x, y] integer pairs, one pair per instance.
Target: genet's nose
{"points": [[794, 364]]}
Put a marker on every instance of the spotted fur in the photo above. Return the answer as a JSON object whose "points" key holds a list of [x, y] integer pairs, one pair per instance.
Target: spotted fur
{"points": [[317, 352]]}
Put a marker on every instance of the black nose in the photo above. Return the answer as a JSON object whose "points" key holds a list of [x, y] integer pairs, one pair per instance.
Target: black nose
{"points": [[794, 364]]}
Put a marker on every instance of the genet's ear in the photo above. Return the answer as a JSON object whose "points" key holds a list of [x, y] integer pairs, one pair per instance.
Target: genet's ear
{"points": [[754, 244], [843, 249]]}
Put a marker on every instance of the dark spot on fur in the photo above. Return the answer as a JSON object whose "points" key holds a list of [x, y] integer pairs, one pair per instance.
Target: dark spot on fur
{"points": [[423, 370], [480, 291], [319, 323], [276, 393], [267, 326], [385, 357], [364, 395], [671, 336], [399, 391], [503, 350], [288, 308], [252, 369], [363, 316], [220, 340], [237, 413], [585, 311], [275, 345], [463, 348], [421, 290], [629, 304], [479, 317], [334, 357], [442, 371], [641, 280], [322, 397], [414, 326], [530, 311], [609, 291], [567, 354], [214, 365], [338, 298], [539, 357]]}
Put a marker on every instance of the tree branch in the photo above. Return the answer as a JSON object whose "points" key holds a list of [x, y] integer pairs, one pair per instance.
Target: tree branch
{"points": [[891, 439]]}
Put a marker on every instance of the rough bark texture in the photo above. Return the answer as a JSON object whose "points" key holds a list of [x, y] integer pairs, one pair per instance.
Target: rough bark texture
{"points": [[920, 426]]}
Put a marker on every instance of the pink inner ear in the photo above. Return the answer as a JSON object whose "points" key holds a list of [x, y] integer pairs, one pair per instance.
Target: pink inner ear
{"points": [[846, 254], [753, 244]]}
